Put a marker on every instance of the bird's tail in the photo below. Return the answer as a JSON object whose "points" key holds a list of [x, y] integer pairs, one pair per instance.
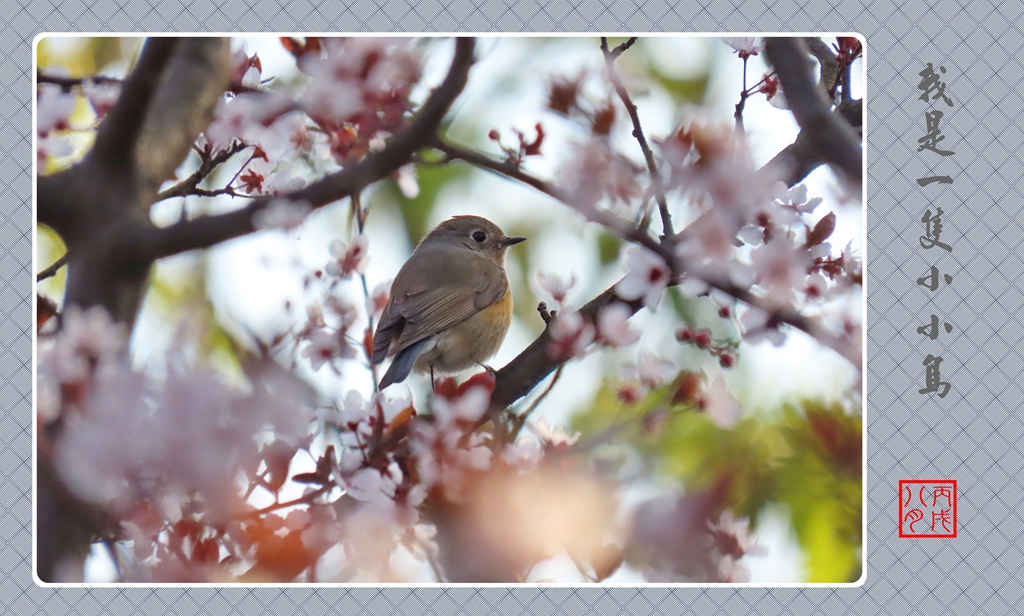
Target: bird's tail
{"points": [[402, 364]]}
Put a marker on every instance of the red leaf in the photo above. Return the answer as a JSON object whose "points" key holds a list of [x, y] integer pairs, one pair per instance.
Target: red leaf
{"points": [[400, 420], [822, 230], [446, 388], [533, 148], [368, 342], [604, 117], [206, 551], [45, 309], [483, 379]]}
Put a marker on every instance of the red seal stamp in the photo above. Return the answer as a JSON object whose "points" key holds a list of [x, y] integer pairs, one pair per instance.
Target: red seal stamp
{"points": [[927, 508]]}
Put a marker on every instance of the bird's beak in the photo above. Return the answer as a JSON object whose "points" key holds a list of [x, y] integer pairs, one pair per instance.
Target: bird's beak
{"points": [[508, 241]]}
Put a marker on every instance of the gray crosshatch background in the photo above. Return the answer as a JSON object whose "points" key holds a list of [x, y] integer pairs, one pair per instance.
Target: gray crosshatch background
{"points": [[973, 435]]}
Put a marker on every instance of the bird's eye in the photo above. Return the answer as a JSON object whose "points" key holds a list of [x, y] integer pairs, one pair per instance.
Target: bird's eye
{"points": [[479, 236]]}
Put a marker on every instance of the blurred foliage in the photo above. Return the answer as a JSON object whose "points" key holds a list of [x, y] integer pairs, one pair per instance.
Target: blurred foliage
{"points": [[49, 248], [807, 457], [86, 55]]}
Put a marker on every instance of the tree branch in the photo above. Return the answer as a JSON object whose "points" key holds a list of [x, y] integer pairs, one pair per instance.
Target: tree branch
{"points": [[192, 83], [797, 160], [521, 375], [66, 83], [210, 230], [190, 185], [830, 138], [638, 131], [119, 133], [827, 60], [53, 269]]}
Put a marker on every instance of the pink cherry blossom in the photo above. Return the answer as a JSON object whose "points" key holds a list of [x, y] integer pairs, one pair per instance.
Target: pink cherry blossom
{"points": [[523, 455], [654, 371], [733, 538], [379, 297], [231, 118], [405, 177], [719, 405], [554, 435], [324, 348], [365, 484], [54, 107], [571, 334], [101, 95], [781, 269], [756, 327], [556, 286], [647, 277], [744, 46], [469, 407], [613, 325], [52, 146], [795, 197], [347, 259]]}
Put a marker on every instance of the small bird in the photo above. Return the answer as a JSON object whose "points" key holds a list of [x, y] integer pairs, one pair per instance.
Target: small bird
{"points": [[450, 304]]}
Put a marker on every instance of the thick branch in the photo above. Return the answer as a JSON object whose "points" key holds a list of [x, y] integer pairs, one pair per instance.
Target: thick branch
{"points": [[521, 375], [832, 139], [191, 85], [120, 130], [210, 230], [165, 101], [827, 60], [797, 160]]}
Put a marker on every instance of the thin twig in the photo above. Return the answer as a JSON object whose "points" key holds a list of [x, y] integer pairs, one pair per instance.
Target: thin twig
{"points": [[360, 216], [623, 47], [302, 500], [638, 132], [70, 82], [189, 185], [602, 217], [743, 100], [520, 419], [432, 561], [52, 270]]}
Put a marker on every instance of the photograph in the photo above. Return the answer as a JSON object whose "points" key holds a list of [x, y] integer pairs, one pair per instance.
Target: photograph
{"points": [[421, 310]]}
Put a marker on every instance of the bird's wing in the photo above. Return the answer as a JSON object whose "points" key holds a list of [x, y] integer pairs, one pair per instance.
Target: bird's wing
{"points": [[434, 299]]}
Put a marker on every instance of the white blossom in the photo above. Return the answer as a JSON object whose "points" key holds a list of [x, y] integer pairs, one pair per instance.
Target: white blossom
{"points": [[745, 46], [647, 277], [54, 107], [571, 334], [556, 286], [613, 325], [654, 371], [347, 259]]}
